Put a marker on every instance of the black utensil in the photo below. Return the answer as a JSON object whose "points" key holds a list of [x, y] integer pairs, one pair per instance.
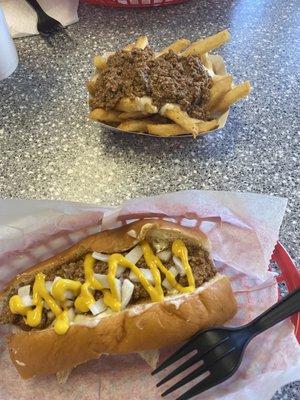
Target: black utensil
{"points": [[46, 25], [221, 349]]}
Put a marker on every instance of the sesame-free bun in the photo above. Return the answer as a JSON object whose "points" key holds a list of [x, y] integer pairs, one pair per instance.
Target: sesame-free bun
{"points": [[143, 326]]}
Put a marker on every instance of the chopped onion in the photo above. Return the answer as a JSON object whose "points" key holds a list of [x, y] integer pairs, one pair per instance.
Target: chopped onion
{"points": [[100, 256], [135, 254], [103, 280], [50, 315], [127, 290], [209, 71], [68, 303], [164, 255], [179, 266], [165, 282], [57, 278], [172, 292], [24, 291], [27, 300], [132, 233], [118, 287], [119, 271], [48, 285], [159, 246], [146, 272], [71, 314], [69, 294], [97, 307], [81, 317]]}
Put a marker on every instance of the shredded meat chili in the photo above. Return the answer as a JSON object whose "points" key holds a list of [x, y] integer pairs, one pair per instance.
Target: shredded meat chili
{"points": [[166, 79], [199, 260]]}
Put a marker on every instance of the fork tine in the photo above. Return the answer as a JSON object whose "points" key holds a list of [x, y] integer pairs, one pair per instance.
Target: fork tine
{"points": [[58, 28], [190, 346], [197, 372], [182, 351], [188, 363], [206, 384]]}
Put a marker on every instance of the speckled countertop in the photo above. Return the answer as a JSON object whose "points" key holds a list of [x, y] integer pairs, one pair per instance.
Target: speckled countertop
{"points": [[50, 150]]}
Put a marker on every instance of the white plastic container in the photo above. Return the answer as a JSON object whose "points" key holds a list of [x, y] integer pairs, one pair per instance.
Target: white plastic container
{"points": [[8, 53]]}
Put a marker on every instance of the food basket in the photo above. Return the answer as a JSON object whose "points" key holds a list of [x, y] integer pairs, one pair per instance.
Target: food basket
{"points": [[133, 3], [288, 278]]}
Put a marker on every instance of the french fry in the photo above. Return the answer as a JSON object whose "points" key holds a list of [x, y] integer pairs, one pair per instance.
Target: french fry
{"points": [[135, 125], [206, 61], [143, 104], [217, 78], [99, 114], [206, 126], [133, 115], [219, 89], [141, 42], [91, 84], [90, 87], [129, 47], [100, 62], [231, 97], [178, 46], [166, 130], [128, 105], [204, 45], [174, 112]]}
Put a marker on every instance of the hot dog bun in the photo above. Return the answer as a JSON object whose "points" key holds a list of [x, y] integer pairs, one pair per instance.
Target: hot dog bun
{"points": [[139, 327]]}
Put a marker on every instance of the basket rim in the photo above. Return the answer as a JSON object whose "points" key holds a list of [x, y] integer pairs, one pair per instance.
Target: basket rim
{"points": [[116, 4], [289, 275]]}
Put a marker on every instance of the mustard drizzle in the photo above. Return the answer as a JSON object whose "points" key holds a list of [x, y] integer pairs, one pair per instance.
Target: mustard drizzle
{"points": [[111, 298]]}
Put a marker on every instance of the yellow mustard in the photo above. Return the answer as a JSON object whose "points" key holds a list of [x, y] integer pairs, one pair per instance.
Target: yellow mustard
{"points": [[60, 286], [62, 323], [16, 305], [86, 298], [33, 316], [111, 297]]}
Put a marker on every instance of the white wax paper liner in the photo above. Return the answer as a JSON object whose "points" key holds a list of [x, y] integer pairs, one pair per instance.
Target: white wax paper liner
{"points": [[240, 225]]}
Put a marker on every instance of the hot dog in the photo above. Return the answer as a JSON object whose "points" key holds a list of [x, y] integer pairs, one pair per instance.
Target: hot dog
{"points": [[142, 286]]}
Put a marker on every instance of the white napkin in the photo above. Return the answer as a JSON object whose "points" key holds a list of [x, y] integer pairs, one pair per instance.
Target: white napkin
{"points": [[22, 19]]}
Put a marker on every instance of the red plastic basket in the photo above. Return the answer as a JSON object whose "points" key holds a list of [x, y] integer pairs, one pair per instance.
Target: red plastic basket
{"points": [[133, 3], [289, 275]]}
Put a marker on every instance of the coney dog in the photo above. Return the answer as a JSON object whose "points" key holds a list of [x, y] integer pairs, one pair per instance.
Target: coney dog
{"points": [[145, 285]]}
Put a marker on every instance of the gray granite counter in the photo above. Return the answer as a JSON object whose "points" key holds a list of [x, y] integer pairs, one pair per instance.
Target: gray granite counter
{"points": [[50, 150]]}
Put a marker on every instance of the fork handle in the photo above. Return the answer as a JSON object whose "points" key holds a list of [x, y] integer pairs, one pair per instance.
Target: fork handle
{"points": [[35, 5], [288, 306]]}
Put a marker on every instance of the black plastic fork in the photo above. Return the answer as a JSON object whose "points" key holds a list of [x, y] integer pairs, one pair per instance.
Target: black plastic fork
{"points": [[221, 349], [46, 25]]}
